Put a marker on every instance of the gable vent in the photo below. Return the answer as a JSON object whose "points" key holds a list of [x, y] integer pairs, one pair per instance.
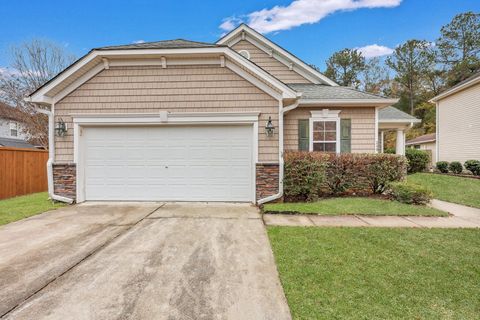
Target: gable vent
{"points": [[245, 54]]}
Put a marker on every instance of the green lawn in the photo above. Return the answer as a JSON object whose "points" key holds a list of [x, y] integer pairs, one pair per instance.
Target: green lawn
{"points": [[453, 189], [17, 208], [360, 206], [379, 273]]}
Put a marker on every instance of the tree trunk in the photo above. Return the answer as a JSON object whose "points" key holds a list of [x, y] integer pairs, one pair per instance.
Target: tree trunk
{"points": [[411, 102]]}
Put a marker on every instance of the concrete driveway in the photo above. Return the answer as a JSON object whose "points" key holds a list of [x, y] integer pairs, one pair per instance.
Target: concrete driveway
{"points": [[140, 261]]}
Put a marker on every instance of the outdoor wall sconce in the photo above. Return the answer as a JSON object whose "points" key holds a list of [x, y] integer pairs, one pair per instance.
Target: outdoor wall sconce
{"points": [[60, 128], [269, 128]]}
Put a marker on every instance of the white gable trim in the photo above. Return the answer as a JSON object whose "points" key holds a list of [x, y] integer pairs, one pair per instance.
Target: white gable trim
{"points": [[275, 51], [42, 96], [456, 89]]}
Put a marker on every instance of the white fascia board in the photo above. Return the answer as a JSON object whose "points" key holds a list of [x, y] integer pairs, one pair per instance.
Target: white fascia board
{"points": [[287, 92], [420, 142], [115, 53], [43, 100], [41, 95], [400, 121], [77, 83], [455, 90], [350, 102], [262, 39], [253, 80]]}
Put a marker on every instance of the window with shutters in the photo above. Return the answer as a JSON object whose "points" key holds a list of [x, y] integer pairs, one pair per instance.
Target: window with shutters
{"points": [[324, 131]]}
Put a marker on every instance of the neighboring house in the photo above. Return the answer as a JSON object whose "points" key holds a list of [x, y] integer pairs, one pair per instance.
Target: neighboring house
{"points": [[191, 121], [426, 143], [12, 133], [458, 119]]}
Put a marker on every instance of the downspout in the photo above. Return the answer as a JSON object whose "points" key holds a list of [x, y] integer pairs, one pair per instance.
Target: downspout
{"points": [[281, 113], [437, 132], [51, 157]]}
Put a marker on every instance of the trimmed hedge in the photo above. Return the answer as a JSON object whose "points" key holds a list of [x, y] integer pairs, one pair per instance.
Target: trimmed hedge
{"points": [[417, 160], [473, 166], [310, 175], [455, 167], [410, 193], [442, 166], [304, 175]]}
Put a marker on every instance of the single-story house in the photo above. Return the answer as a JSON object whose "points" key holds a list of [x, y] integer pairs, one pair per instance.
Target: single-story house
{"points": [[12, 129], [426, 143], [191, 121], [458, 118]]}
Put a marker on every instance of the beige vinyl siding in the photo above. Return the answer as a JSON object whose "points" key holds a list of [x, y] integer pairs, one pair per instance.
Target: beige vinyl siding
{"points": [[270, 64], [363, 126], [459, 126], [175, 89]]}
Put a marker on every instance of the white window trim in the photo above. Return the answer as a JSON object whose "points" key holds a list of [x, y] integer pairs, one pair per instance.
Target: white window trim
{"points": [[13, 126], [325, 115]]}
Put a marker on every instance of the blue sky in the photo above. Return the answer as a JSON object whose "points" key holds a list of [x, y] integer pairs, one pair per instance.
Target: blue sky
{"points": [[311, 29]]}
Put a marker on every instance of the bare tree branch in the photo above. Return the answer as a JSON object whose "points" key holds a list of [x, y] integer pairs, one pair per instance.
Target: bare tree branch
{"points": [[33, 63]]}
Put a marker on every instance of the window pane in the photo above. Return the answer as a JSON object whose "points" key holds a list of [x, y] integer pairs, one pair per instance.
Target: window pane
{"points": [[318, 136], [318, 147], [330, 136], [330, 125], [318, 126], [330, 147]]}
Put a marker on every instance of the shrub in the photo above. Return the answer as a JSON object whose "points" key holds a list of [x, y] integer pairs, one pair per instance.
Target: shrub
{"points": [[309, 175], [381, 169], [455, 167], [473, 166], [442, 166], [410, 193], [417, 160], [340, 172], [389, 150], [304, 175]]}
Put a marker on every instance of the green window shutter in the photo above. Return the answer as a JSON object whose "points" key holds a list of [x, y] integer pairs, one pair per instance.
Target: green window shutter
{"points": [[345, 135], [303, 135]]}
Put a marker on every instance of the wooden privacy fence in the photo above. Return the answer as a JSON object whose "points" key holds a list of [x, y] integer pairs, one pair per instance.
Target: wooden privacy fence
{"points": [[22, 171]]}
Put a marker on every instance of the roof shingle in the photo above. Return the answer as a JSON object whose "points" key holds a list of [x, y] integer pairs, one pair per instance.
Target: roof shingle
{"points": [[15, 143], [422, 139], [165, 44], [392, 113], [319, 91]]}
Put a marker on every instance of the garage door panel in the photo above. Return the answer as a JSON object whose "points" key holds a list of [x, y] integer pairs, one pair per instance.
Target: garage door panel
{"points": [[198, 163]]}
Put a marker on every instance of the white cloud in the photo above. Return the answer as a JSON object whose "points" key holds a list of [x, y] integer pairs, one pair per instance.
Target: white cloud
{"points": [[300, 12], [228, 24], [139, 41], [374, 50], [8, 72]]}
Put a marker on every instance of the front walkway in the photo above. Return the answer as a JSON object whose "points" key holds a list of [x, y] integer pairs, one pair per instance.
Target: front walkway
{"points": [[153, 261], [462, 217]]}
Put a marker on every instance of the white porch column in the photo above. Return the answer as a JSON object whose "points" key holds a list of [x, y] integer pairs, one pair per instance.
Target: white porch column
{"points": [[382, 139], [400, 146]]}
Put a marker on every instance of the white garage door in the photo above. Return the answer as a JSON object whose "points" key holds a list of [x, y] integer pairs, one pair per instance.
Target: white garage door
{"points": [[177, 163]]}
